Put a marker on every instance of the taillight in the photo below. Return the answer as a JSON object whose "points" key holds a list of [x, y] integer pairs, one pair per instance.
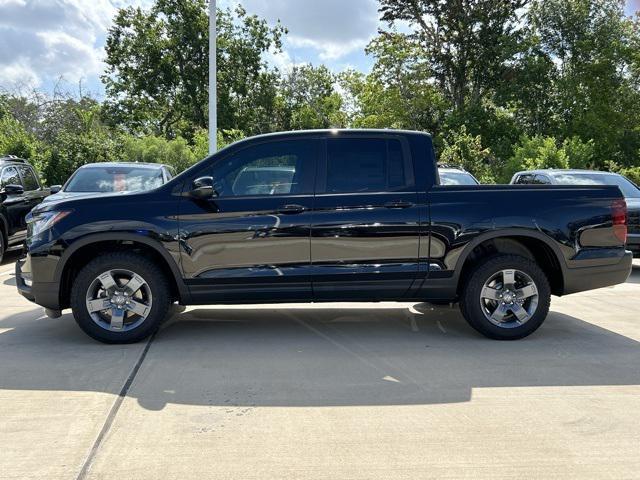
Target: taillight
{"points": [[619, 218]]}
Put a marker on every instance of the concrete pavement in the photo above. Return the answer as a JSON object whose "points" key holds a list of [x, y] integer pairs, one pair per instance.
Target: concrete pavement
{"points": [[339, 391]]}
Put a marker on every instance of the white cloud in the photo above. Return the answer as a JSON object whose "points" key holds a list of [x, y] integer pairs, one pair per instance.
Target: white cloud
{"points": [[43, 40], [334, 28]]}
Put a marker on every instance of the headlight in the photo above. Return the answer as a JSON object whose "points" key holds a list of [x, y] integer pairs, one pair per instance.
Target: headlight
{"points": [[41, 222]]}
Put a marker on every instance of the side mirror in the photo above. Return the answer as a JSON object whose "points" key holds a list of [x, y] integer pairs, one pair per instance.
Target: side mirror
{"points": [[13, 190], [55, 189], [203, 188]]}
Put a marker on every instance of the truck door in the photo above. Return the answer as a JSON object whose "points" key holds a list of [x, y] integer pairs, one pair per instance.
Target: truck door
{"points": [[365, 231], [251, 242]]}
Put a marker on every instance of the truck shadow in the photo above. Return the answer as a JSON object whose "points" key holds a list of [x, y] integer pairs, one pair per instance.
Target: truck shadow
{"points": [[317, 356]]}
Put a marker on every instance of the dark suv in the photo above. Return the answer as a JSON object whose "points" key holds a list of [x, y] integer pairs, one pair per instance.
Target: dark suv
{"points": [[20, 191]]}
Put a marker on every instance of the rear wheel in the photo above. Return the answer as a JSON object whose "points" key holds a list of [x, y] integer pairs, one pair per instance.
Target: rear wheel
{"points": [[120, 297], [507, 297]]}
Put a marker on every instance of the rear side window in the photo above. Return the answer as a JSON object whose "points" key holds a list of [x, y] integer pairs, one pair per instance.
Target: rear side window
{"points": [[29, 178], [10, 177], [357, 165]]}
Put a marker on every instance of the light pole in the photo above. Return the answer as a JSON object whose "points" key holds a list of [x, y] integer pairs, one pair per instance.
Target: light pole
{"points": [[213, 107]]}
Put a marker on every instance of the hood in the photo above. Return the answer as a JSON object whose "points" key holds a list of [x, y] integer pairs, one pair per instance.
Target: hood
{"points": [[59, 200]]}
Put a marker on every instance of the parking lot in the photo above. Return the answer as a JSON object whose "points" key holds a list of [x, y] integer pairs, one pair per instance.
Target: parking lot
{"points": [[336, 391]]}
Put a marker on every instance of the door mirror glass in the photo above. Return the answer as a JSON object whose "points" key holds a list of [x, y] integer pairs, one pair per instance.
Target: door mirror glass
{"points": [[55, 189], [203, 188], [13, 190]]}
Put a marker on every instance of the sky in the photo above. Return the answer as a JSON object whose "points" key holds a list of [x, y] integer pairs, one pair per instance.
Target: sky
{"points": [[42, 41]]}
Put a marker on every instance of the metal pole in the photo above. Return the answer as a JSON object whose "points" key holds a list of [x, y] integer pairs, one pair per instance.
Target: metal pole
{"points": [[213, 107]]}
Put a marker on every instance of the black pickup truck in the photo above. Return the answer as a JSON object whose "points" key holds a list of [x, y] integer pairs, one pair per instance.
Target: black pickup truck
{"points": [[319, 216], [20, 191]]}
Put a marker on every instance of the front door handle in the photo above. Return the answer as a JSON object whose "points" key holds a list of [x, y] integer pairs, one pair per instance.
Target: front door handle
{"points": [[291, 209], [398, 204]]}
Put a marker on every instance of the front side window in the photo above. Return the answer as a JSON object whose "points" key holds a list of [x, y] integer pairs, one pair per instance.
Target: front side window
{"points": [[357, 165], [274, 168], [10, 176], [29, 178]]}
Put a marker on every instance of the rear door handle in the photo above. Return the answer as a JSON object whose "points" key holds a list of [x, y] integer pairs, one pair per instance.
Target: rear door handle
{"points": [[398, 204], [291, 209]]}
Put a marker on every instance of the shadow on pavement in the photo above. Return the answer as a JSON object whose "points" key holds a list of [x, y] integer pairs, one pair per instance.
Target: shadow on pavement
{"points": [[9, 259], [635, 274], [313, 357]]}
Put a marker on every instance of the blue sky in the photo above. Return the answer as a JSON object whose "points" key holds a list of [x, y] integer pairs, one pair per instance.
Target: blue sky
{"points": [[43, 40]]}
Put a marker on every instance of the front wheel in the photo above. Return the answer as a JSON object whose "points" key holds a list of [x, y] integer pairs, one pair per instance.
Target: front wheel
{"points": [[120, 297], [507, 297]]}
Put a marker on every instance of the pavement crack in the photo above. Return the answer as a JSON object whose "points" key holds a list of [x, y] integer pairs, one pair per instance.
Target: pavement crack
{"points": [[86, 466]]}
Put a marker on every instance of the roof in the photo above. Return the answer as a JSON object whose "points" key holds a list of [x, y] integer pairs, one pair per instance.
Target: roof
{"points": [[560, 171], [11, 159], [324, 132], [124, 164]]}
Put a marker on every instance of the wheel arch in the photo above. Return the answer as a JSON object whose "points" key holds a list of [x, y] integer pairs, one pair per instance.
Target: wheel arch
{"points": [[88, 247], [530, 244]]}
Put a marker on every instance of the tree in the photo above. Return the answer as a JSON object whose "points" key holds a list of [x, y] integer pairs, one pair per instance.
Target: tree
{"points": [[467, 43], [157, 69], [308, 99], [584, 50], [398, 93], [466, 150]]}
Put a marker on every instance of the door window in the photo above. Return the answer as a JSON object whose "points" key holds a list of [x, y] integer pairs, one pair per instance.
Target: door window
{"points": [[28, 178], [10, 177], [275, 168], [367, 165]]}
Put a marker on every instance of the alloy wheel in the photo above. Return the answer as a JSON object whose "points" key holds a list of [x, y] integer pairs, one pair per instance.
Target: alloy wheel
{"points": [[119, 300], [509, 298]]}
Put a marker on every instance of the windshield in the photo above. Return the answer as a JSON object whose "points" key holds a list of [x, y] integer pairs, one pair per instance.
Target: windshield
{"points": [[629, 190], [114, 179], [457, 178]]}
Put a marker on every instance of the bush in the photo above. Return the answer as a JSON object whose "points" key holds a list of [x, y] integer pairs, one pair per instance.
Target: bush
{"points": [[71, 151], [177, 153], [467, 151]]}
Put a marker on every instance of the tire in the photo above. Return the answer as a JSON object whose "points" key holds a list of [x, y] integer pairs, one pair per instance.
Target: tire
{"points": [[105, 279], [2, 245], [501, 305]]}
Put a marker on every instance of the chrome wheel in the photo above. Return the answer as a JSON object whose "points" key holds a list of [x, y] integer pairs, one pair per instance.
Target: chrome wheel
{"points": [[509, 298], [119, 300]]}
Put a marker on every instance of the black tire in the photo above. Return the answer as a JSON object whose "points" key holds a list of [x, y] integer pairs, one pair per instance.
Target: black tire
{"points": [[155, 279], [2, 246], [472, 308]]}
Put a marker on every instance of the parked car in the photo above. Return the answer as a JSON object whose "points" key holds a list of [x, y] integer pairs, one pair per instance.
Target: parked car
{"points": [[112, 177], [629, 190], [454, 175], [20, 191], [363, 218]]}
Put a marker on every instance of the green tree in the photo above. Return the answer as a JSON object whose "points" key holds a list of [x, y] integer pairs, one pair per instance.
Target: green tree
{"points": [[398, 93], [157, 69], [466, 150], [535, 153], [585, 51], [466, 43], [308, 99]]}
